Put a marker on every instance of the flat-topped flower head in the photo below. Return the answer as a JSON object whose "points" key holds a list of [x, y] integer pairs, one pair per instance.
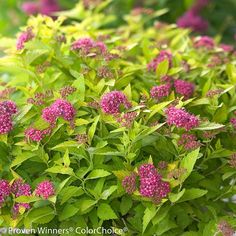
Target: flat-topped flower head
{"points": [[23, 38], [189, 141], [129, 183], [36, 134], [5, 188], [161, 91], [89, 46], [163, 55], [60, 108], [111, 102], [184, 88], [30, 8], [6, 124], [8, 107], [147, 170], [193, 21], [227, 47], [19, 188], [204, 42], [45, 189], [180, 118]]}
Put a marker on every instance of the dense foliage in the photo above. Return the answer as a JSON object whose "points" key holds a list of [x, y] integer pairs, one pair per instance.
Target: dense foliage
{"points": [[130, 128]]}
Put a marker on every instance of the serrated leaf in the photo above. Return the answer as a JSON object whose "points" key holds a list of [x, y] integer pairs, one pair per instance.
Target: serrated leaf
{"points": [[98, 173], [105, 212], [125, 205]]}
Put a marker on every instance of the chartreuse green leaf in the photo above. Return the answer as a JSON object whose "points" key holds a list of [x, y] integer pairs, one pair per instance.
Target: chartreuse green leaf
{"points": [[162, 68], [192, 193], [174, 197], [68, 211], [93, 127], [69, 192], [98, 173], [188, 163], [149, 213], [105, 212]]}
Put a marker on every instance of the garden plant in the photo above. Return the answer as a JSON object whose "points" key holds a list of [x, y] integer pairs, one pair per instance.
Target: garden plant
{"points": [[131, 128]]}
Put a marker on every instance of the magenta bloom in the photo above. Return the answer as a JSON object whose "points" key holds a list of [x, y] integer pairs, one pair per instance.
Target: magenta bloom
{"points": [[35, 134], [5, 190], [23, 38], [45, 7], [88, 46], [205, 42], [30, 7], [45, 189], [189, 141], [19, 188], [158, 92], [181, 119], [184, 88], [226, 47], [193, 21], [60, 108], [151, 184], [163, 55], [8, 108], [129, 183], [111, 102], [5, 124], [233, 122]]}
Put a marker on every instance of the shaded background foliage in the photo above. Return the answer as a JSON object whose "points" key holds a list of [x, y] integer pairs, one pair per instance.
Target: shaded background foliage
{"points": [[220, 14]]}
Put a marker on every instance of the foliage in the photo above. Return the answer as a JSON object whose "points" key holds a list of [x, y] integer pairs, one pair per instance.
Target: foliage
{"points": [[87, 151]]}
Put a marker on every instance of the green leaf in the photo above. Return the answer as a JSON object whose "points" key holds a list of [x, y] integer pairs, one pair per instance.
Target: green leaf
{"points": [[21, 158], [149, 213], [192, 193], [162, 68], [66, 158], [125, 205], [98, 173], [68, 211], [79, 84], [174, 197], [105, 212], [209, 126], [188, 163], [27, 199], [108, 192], [93, 127], [69, 192], [61, 170]]}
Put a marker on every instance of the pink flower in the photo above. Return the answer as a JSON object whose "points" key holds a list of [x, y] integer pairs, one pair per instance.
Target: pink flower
{"points": [[45, 7], [184, 88], [17, 206], [233, 122], [193, 21], [129, 183], [226, 47], [161, 91], [23, 38], [30, 7], [35, 134], [111, 102], [180, 118], [189, 141], [205, 42], [5, 124], [45, 189], [8, 108], [19, 188], [60, 108], [127, 119], [163, 55], [151, 183], [5, 190], [225, 228], [89, 46]]}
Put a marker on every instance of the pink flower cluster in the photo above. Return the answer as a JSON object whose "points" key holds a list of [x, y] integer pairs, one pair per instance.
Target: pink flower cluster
{"points": [[151, 183], [129, 183], [189, 141], [18, 188], [184, 88], [23, 38], [163, 55], [192, 19], [111, 102], [36, 134], [60, 108], [204, 42], [158, 92], [45, 189], [7, 110], [225, 228], [45, 7], [180, 118], [89, 47], [232, 160], [226, 47], [66, 91], [5, 190], [127, 119], [233, 121], [40, 98]]}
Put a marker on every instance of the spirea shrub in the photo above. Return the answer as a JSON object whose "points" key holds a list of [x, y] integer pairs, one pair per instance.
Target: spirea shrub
{"points": [[129, 128]]}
